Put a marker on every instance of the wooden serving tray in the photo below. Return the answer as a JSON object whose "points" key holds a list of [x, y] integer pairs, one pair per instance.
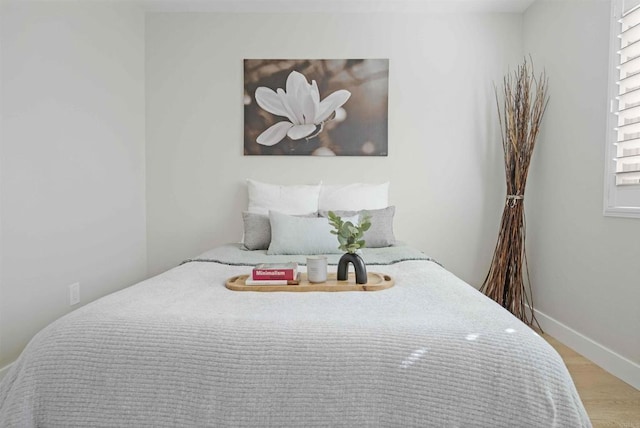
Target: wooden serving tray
{"points": [[375, 282]]}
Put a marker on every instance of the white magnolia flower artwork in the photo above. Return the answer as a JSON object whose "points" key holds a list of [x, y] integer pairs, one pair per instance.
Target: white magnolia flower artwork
{"points": [[301, 104], [316, 107]]}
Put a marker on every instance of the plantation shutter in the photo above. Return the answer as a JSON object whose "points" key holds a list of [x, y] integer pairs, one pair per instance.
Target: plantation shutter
{"points": [[622, 160], [627, 150]]}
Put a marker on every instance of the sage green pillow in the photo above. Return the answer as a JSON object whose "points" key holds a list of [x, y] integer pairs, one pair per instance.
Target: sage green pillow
{"points": [[302, 235], [257, 230]]}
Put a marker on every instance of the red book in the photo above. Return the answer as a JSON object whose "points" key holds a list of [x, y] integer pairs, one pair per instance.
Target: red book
{"points": [[275, 271], [250, 281]]}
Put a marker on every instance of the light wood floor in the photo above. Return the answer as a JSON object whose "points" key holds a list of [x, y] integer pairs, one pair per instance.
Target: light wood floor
{"points": [[609, 401]]}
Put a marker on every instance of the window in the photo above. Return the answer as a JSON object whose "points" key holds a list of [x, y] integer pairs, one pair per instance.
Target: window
{"points": [[622, 168]]}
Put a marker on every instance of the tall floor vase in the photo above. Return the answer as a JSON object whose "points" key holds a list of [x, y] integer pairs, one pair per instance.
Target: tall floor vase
{"points": [[524, 102], [508, 279]]}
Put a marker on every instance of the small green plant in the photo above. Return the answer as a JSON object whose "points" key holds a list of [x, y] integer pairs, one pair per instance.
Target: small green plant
{"points": [[349, 235]]}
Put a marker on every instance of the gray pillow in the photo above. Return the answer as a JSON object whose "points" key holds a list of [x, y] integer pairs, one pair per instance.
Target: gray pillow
{"points": [[380, 234], [257, 231]]}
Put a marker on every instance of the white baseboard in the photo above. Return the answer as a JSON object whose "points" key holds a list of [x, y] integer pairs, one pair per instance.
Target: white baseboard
{"points": [[612, 362], [4, 370]]}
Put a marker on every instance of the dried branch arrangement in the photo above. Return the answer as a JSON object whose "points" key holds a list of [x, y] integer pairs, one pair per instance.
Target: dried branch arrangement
{"points": [[525, 100]]}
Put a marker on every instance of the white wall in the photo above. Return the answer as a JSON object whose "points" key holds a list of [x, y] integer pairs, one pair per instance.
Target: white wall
{"points": [[584, 266], [72, 170], [445, 158]]}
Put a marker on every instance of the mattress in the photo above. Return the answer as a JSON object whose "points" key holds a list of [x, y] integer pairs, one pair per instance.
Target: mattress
{"points": [[180, 349]]}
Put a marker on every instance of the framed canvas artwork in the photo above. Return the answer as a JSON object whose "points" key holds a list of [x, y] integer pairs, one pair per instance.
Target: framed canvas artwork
{"points": [[317, 107]]}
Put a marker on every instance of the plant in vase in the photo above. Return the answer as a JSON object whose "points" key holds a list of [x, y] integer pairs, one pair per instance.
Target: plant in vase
{"points": [[350, 240]]}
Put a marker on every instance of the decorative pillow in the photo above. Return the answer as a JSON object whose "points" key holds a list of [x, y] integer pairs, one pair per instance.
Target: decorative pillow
{"points": [[380, 234], [294, 199], [257, 230], [302, 235], [354, 197]]}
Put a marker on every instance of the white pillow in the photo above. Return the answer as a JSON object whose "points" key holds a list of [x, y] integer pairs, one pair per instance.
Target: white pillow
{"points": [[303, 235], [354, 197], [293, 199]]}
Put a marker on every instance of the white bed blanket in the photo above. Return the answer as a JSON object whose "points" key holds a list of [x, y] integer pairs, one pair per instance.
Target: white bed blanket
{"points": [[180, 349]]}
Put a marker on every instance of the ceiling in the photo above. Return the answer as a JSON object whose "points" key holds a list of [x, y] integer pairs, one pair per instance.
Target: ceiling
{"points": [[347, 6]]}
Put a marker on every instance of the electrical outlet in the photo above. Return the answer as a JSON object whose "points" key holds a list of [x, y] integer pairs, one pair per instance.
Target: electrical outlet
{"points": [[74, 294]]}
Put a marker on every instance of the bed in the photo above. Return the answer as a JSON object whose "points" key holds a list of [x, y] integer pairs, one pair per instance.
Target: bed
{"points": [[180, 349]]}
